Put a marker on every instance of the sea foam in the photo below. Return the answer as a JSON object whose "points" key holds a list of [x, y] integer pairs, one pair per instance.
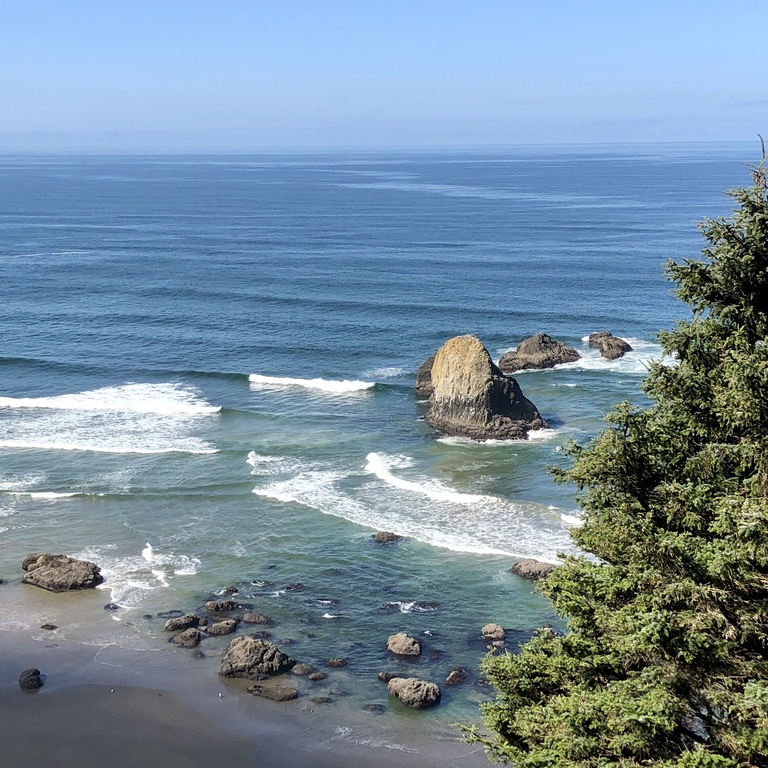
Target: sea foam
{"points": [[324, 385]]}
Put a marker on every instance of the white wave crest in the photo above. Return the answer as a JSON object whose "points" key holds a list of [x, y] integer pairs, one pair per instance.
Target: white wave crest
{"points": [[386, 372], [262, 464], [323, 385], [380, 465], [162, 399]]}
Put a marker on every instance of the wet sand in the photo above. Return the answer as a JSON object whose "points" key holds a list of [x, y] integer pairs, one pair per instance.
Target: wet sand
{"points": [[104, 705]]}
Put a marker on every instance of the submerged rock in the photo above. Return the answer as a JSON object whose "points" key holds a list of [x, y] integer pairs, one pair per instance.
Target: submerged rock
{"points": [[60, 573], [611, 347], [424, 377], [472, 397], [336, 663], [30, 679], [536, 352], [385, 537], [189, 638], [404, 645], [414, 692], [254, 659], [528, 568], [273, 692]]}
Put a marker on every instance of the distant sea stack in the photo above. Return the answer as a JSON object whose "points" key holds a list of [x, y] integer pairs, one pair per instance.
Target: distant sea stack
{"points": [[472, 398], [536, 352], [610, 346]]}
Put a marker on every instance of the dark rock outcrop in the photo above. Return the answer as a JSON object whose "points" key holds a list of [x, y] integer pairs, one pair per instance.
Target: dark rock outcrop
{"points": [[456, 676], [414, 692], [274, 692], [181, 622], [189, 638], [30, 679], [385, 537], [610, 346], [404, 645], [424, 377], [255, 618], [337, 662], [473, 398], [60, 573], [221, 606], [254, 659], [223, 627], [528, 568], [539, 351]]}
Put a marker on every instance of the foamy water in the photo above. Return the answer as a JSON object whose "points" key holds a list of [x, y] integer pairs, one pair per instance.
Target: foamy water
{"points": [[323, 385]]}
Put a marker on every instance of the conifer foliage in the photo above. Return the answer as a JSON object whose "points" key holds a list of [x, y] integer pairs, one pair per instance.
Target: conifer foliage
{"points": [[665, 659]]}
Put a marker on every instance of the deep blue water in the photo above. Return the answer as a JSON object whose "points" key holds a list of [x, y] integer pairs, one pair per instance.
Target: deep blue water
{"points": [[139, 293]]}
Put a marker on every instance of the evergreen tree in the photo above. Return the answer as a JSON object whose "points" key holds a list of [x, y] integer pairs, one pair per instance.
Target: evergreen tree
{"points": [[665, 660]]}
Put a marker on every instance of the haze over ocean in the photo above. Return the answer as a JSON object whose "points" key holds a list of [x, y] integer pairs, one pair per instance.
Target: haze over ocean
{"points": [[208, 365]]}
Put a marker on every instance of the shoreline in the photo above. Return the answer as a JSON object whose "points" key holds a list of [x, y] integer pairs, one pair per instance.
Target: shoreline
{"points": [[102, 698]]}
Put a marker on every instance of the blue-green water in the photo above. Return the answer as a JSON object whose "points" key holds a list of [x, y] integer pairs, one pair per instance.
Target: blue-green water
{"points": [[139, 294]]}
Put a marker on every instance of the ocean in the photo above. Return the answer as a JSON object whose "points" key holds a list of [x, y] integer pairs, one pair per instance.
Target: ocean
{"points": [[207, 368]]}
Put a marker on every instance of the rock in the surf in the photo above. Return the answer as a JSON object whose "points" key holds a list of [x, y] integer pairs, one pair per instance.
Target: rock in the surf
{"points": [[473, 398], [403, 645], [528, 568], [424, 377], [456, 676], [256, 618], [181, 622], [221, 606], [254, 659], [493, 632], [189, 638], [60, 573], [611, 347], [414, 692], [30, 679], [275, 692], [538, 351], [385, 537], [223, 627]]}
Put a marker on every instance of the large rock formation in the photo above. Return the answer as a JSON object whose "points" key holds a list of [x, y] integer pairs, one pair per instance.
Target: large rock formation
{"points": [[471, 397], [414, 692], [424, 377], [60, 573], [539, 351], [254, 659], [610, 346]]}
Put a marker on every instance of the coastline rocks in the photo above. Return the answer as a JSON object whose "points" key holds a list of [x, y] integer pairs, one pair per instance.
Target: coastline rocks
{"points": [[254, 659], [611, 347], [472, 397], [538, 351], [456, 676], [528, 568], [493, 632], [189, 638], [273, 692], [385, 537], [220, 606], [337, 663], [302, 670], [403, 645], [182, 622], [255, 618], [30, 679], [224, 627], [60, 573], [414, 692], [424, 377]]}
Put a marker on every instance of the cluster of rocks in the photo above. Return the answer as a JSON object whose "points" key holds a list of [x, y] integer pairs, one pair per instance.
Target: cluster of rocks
{"points": [[470, 396]]}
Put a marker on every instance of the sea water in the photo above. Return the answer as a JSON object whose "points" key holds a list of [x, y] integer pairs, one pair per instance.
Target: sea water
{"points": [[207, 368]]}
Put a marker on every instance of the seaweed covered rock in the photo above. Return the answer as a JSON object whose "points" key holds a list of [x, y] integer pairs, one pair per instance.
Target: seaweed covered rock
{"points": [[60, 573], [254, 659], [473, 398], [539, 351]]}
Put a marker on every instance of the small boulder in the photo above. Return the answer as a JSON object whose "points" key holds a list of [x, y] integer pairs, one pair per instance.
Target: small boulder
{"points": [[302, 669], [493, 632], [536, 352], [49, 627], [221, 606], [189, 638], [224, 627], [60, 573], [456, 676], [254, 659], [611, 347], [316, 676], [404, 645], [255, 618], [531, 569], [182, 622], [424, 377], [414, 692], [30, 679], [385, 537], [273, 692], [385, 677], [336, 663]]}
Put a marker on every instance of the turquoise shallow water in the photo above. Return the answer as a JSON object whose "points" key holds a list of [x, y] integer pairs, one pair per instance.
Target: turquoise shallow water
{"points": [[206, 374]]}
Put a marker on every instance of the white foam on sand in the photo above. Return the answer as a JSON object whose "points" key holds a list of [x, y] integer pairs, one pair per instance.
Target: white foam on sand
{"points": [[135, 418], [424, 510], [323, 385]]}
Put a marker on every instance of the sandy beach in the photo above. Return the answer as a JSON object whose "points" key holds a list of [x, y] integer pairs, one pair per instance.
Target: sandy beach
{"points": [[104, 704]]}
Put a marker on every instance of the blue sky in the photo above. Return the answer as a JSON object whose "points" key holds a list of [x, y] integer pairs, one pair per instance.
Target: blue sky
{"points": [[298, 73]]}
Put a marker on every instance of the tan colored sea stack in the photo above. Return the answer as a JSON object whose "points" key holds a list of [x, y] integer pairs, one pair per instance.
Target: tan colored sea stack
{"points": [[472, 398]]}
